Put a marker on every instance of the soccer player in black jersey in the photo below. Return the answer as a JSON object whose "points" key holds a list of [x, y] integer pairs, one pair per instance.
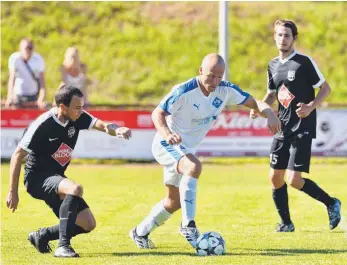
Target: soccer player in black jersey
{"points": [[292, 79], [48, 143]]}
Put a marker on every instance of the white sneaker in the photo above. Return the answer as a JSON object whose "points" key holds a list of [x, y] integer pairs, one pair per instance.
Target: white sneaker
{"points": [[191, 233], [141, 241]]}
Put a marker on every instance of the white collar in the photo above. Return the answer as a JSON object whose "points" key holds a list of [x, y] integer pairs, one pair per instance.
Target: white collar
{"points": [[54, 112], [288, 58]]}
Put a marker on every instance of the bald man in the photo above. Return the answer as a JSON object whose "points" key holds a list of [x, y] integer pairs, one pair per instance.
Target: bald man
{"points": [[183, 118]]}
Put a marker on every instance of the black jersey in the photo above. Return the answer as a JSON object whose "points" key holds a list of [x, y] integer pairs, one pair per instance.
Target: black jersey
{"points": [[50, 142], [294, 80]]}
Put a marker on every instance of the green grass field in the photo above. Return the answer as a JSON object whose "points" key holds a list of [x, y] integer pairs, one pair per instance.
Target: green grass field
{"points": [[234, 200]]}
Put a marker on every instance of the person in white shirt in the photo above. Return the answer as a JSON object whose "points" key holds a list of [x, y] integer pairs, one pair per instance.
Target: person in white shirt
{"points": [[183, 118], [26, 85]]}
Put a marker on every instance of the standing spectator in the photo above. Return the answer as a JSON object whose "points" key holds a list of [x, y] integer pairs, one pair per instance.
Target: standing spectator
{"points": [[26, 85], [73, 72]]}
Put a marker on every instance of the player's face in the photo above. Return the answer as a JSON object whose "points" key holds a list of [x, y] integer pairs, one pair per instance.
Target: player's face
{"points": [[74, 111], [284, 38], [211, 77]]}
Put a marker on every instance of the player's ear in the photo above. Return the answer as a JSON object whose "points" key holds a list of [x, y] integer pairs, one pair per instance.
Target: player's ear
{"points": [[200, 70]]}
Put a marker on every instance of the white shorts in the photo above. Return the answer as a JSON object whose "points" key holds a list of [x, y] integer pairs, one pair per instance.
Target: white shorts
{"points": [[168, 156]]}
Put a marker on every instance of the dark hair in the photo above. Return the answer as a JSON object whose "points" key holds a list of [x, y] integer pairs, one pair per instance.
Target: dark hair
{"points": [[288, 24], [65, 94]]}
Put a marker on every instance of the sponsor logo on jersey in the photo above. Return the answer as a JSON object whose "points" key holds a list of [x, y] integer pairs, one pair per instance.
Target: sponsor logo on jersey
{"points": [[284, 96], [71, 132], [63, 154], [291, 75], [217, 102]]}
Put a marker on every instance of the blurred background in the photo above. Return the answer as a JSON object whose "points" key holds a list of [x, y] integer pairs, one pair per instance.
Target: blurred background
{"points": [[134, 52]]}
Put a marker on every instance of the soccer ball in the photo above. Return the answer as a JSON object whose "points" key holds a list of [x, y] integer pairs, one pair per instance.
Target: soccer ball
{"points": [[210, 243]]}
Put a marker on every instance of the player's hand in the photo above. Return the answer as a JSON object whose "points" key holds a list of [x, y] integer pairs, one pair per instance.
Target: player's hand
{"points": [[253, 114], [304, 110], [274, 123], [123, 132], [12, 200], [173, 139]]}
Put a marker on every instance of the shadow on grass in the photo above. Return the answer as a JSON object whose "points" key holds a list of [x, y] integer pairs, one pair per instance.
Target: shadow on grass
{"points": [[244, 252], [149, 254], [292, 251]]}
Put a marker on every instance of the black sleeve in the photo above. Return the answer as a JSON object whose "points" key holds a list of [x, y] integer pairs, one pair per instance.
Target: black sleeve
{"points": [[85, 121], [315, 77], [270, 82]]}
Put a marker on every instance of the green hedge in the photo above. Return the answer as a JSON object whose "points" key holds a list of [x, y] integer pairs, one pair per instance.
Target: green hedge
{"points": [[135, 51]]}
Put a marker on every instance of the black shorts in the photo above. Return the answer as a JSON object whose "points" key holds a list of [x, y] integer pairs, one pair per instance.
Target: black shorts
{"points": [[44, 186], [292, 153]]}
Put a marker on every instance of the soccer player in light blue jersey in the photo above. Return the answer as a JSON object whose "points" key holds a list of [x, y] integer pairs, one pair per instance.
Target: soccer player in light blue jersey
{"points": [[183, 118]]}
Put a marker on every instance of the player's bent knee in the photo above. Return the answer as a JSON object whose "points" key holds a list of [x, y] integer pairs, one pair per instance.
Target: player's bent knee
{"points": [[76, 190], [91, 225], [195, 169]]}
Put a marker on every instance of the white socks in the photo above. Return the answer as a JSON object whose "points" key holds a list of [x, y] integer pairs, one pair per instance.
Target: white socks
{"points": [[188, 199], [157, 217]]}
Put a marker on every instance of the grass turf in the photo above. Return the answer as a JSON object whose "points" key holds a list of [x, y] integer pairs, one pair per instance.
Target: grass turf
{"points": [[234, 200]]}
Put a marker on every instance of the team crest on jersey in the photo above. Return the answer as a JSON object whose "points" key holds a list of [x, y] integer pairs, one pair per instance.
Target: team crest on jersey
{"points": [[291, 75], [71, 132], [285, 96], [63, 154], [217, 102]]}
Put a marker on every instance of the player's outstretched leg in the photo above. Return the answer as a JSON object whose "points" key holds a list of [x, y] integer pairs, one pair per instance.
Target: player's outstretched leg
{"points": [[334, 212], [141, 241], [333, 205], [157, 217]]}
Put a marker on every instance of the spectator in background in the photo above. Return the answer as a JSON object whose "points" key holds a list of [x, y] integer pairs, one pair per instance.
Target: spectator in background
{"points": [[73, 72], [26, 85]]}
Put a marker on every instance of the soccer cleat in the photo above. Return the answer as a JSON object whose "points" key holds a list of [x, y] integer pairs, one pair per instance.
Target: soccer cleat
{"points": [[141, 241], [190, 232], [37, 240], [65, 252], [285, 227], [334, 213]]}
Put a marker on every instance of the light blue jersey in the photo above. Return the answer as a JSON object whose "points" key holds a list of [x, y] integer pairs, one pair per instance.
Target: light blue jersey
{"points": [[193, 113]]}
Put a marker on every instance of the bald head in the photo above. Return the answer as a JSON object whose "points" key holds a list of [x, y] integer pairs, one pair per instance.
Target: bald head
{"points": [[211, 60], [211, 72]]}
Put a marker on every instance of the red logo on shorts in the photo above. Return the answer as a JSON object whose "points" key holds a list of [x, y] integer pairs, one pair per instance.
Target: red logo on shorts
{"points": [[285, 97], [63, 154]]}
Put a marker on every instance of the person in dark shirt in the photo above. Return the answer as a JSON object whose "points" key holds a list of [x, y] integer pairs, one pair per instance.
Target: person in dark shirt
{"points": [[292, 79], [48, 143]]}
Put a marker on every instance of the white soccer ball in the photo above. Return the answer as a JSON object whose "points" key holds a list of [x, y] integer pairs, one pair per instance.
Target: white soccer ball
{"points": [[210, 243]]}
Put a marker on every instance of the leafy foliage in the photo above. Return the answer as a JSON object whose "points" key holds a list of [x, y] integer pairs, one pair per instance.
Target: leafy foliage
{"points": [[136, 51]]}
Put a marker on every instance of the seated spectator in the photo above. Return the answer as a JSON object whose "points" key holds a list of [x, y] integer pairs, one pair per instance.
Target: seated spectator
{"points": [[74, 73], [26, 85]]}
